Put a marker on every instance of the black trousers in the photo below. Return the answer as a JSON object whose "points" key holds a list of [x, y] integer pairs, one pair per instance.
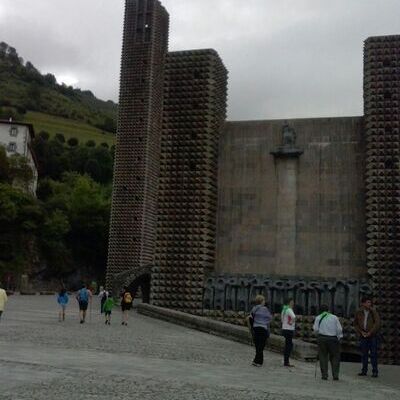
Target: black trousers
{"points": [[288, 335], [260, 339], [329, 350]]}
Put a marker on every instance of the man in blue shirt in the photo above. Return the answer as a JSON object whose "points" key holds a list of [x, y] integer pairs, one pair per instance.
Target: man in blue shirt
{"points": [[84, 296]]}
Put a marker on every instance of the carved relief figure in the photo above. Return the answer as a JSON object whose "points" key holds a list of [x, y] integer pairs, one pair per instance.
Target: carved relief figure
{"points": [[288, 136]]}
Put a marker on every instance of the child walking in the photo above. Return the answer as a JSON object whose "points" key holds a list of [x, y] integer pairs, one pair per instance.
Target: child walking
{"points": [[62, 300], [107, 308]]}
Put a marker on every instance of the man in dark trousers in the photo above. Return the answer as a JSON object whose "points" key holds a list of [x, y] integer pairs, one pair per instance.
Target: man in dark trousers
{"points": [[329, 332], [367, 323]]}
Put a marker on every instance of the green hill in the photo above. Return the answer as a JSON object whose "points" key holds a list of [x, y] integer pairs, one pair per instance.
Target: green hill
{"points": [[69, 128], [27, 94]]}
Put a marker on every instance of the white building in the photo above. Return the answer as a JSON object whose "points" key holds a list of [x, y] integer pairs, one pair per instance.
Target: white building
{"points": [[17, 138]]}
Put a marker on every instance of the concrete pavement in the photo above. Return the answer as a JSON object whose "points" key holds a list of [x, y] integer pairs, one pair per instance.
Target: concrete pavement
{"points": [[41, 358]]}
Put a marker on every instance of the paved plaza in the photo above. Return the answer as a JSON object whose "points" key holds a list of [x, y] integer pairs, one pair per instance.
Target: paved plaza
{"points": [[41, 358]]}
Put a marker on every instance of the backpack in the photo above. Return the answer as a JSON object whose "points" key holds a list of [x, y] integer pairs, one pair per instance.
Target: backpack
{"points": [[127, 298], [83, 295]]}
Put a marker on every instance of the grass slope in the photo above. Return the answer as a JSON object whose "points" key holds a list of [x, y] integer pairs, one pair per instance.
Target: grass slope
{"points": [[69, 128], [24, 89]]}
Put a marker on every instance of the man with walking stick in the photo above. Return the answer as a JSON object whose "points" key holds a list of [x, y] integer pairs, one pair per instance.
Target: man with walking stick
{"points": [[329, 332]]}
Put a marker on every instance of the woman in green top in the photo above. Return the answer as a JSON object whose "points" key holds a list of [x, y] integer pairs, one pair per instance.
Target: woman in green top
{"points": [[107, 308]]}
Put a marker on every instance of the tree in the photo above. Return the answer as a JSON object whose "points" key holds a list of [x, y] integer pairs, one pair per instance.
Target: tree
{"points": [[89, 213], [44, 135], [4, 166], [51, 158], [92, 168], [73, 142], [106, 163], [60, 137], [35, 93], [91, 143], [87, 207], [108, 125], [45, 189], [50, 79], [20, 220], [3, 49], [53, 243], [20, 172], [79, 156]]}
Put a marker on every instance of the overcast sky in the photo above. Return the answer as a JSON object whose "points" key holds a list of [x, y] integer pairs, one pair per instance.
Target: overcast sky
{"points": [[286, 58]]}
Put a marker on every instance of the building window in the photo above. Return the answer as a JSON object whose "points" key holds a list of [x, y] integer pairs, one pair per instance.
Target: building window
{"points": [[12, 147], [13, 131]]}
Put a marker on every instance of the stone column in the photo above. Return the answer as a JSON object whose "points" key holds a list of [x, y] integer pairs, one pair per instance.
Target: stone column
{"points": [[286, 164], [286, 215]]}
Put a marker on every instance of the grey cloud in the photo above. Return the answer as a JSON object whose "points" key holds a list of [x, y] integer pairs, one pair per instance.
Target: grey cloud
{"points": [[287, 58]]}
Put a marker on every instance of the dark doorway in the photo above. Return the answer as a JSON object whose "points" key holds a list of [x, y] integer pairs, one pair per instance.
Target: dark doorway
{"points": [[143, 283]]}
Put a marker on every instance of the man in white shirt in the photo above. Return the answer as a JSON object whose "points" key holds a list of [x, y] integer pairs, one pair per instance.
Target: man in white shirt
{"points": [[3, 300], [288, 319], [329, 332]]}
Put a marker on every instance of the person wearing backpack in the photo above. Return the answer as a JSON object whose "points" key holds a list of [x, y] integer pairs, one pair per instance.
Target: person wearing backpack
{"points": [[103, 295], [126, 305], [288, 319], [83, 296], [259, 320], [329, 332], [367, 323], [62, 300]]}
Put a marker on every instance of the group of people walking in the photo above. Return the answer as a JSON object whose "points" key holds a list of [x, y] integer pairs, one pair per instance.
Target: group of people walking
{"points": [[328, 330], [107, 303]]}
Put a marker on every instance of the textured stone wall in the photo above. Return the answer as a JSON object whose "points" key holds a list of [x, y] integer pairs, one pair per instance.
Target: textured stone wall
{"points": [[229, 298], [194, 114], [382, 120], [136, 171], [237, 293], [330, 218]]}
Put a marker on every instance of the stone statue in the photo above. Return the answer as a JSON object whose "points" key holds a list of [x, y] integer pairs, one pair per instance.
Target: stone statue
{"points": [[288, 136]]}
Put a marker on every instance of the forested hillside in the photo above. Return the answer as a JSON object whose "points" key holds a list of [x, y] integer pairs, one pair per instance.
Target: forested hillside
{"points": [[25, 92], [62, 234]]}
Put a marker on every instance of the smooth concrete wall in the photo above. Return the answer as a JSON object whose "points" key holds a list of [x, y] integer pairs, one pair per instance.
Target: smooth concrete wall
{"points": [[330, 219]]}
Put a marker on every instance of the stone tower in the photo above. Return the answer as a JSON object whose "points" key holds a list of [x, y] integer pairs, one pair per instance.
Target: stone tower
{"points": [[194, 114], [382, 128], [136, 172]]}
